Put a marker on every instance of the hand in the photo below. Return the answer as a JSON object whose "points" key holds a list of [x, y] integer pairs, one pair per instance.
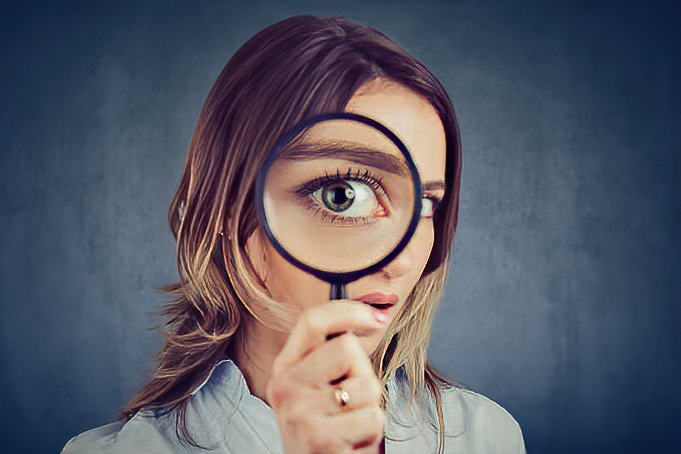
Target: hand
{"points": [[313, 364]]}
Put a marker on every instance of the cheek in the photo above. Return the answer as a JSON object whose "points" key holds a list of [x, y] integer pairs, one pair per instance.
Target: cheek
{"points": [[423, 243], [291, 285]]}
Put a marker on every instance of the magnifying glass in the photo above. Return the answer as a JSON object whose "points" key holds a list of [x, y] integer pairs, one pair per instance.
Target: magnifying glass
{"points": [[339, 196]]}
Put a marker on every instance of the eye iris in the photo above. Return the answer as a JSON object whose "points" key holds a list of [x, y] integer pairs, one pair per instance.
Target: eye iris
{"points": [[338, 196]]}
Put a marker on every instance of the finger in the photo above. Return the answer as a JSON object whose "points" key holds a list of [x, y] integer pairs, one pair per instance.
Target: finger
{"points": [[315, 324], [360, 428], [340, 357], [359, 393], [369, 449]]}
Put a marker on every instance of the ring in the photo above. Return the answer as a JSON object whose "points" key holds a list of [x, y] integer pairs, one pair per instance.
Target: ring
{"points": [[342, 396]]}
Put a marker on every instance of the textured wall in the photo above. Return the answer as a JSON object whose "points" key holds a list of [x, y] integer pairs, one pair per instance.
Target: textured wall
{"points": [[562, 301]]}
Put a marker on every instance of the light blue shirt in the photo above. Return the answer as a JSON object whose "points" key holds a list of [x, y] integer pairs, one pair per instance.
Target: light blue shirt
{"points": [[224, 417]]}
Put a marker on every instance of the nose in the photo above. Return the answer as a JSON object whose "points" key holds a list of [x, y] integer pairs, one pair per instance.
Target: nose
{"points": [[400, 264]]}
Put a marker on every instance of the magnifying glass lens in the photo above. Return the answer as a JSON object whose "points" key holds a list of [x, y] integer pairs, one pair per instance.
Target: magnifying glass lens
{"points": [[339, 196]]}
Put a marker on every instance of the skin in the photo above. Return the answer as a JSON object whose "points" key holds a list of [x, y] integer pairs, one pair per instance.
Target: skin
{"points": [[292, 371]]}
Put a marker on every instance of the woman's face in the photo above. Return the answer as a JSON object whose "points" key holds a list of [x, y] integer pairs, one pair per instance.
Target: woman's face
{"points": [[416, 123]]}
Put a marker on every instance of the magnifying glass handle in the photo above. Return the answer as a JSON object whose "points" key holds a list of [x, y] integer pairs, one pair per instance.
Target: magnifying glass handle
{"points": [[338, 292]]}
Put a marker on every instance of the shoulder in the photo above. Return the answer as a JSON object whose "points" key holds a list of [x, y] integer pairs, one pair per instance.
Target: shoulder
{"points": [[484, 424], [92, 440], [472, 423], [139, 435], [213, 418]]}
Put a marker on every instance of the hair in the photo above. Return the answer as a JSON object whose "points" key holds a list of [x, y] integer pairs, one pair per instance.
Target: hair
{"points": [[292, 70]]}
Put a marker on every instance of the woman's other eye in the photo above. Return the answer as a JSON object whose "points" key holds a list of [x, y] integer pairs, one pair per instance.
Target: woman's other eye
{"points": [[428, 207], [349, 199]]}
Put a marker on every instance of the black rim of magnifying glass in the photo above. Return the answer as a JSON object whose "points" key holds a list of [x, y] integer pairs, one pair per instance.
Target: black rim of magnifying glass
{"points": [[328, 276]]}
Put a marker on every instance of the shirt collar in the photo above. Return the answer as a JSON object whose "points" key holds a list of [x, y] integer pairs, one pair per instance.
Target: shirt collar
{"points": [[224, 402], [406, 417]]}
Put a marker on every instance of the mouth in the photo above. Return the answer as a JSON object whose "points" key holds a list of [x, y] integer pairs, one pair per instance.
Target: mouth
{"points": [[379, 301]]}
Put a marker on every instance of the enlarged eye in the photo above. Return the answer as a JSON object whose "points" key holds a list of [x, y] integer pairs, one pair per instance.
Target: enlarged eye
{"points": [[349, 198]]}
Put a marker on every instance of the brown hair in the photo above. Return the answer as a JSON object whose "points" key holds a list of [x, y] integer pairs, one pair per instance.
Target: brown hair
{"points": [[292, 70]]}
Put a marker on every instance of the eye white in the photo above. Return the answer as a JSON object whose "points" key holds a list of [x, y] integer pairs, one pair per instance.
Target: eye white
{"points": [[427, 207]]}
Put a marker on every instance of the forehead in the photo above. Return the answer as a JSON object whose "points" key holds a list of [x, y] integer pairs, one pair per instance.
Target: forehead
{"points": [[411, 117]]}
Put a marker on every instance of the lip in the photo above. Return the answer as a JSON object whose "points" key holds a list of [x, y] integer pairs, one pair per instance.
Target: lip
{"points": [[379, 301]]}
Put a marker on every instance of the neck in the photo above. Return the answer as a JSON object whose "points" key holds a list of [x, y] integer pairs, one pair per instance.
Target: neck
{"points": [[255, 353]]}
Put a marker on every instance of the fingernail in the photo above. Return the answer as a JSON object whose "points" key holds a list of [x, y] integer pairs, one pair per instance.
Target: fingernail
{"points": [[380, 317]]}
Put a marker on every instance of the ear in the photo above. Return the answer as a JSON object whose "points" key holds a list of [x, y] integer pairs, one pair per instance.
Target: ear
{"points": [[256, 249]]}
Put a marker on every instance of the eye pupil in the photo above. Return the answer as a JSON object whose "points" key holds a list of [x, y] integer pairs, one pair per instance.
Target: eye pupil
{"points": [[338, 196]]}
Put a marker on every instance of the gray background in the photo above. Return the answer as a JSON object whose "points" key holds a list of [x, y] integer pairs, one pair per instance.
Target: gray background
{"points": [[562, 304]]}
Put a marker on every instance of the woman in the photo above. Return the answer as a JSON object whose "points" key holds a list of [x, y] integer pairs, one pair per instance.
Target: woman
{"points": [[253, 361]]}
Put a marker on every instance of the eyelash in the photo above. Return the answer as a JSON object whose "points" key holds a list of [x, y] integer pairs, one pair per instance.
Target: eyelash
{"points": [[305, 191]]}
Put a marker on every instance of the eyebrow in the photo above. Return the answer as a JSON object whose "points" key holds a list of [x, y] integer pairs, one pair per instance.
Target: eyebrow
{"points": [[349, 151], [434, 186]]}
